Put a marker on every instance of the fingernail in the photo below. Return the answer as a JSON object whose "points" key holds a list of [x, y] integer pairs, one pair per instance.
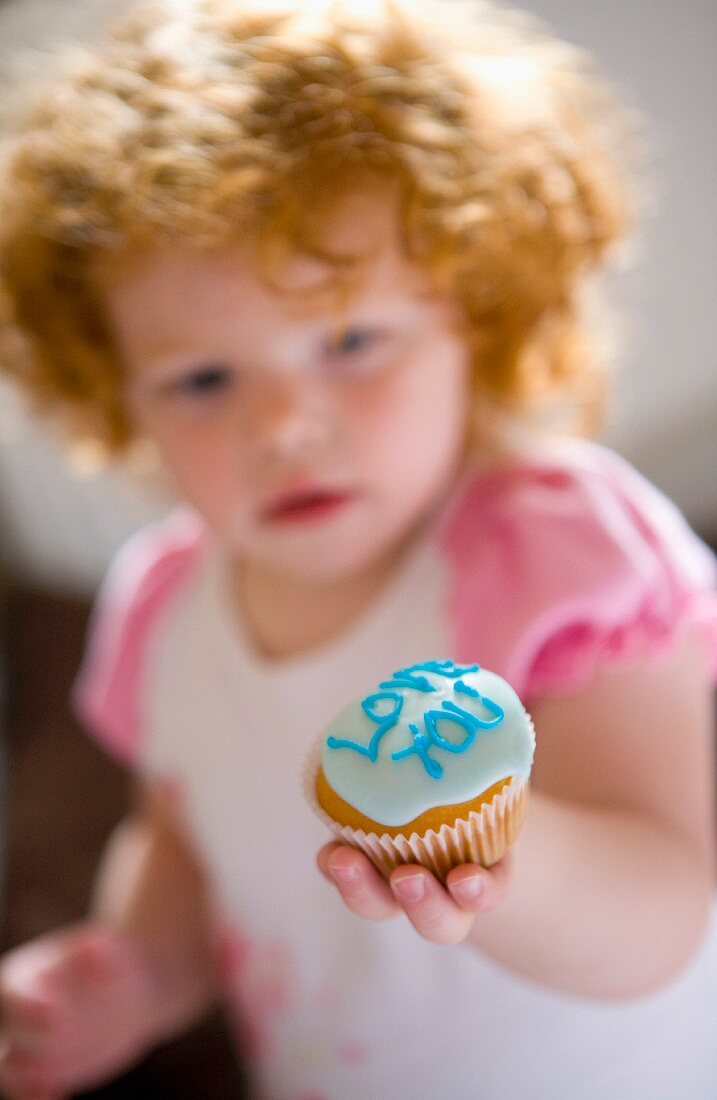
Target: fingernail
{"points": [[469, 888], [410, 888], [344, 875]]}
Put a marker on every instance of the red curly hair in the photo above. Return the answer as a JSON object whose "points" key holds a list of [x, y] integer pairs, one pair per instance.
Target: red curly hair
{"points": [[214, 120]]}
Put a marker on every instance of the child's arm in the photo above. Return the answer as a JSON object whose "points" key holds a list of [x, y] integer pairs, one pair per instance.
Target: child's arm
{"points": [[615, 872], [606, 892], [83, 1003], [153, 890]]}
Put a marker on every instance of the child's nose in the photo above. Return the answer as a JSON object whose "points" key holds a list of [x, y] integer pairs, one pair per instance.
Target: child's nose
{"points": [[289, 417]]}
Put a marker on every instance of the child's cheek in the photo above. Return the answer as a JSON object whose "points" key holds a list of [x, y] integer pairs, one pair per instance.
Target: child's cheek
{"points": [[410, 423], [205, 471]]}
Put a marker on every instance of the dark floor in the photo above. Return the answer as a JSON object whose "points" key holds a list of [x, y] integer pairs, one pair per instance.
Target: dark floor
{"points": [[63, 797]]}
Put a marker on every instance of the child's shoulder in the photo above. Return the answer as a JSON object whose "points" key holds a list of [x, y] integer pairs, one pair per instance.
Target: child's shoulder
{"points": [[572, 556], [578, 492], [148, 570], [153, 560]]}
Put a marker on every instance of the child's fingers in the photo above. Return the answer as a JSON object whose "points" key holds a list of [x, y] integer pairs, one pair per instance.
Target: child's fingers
{"points": [[32, 1042], [430, 909], [324, 855], [480, 889], [438, 914], [85, 958], [33, 1093], [41, 1094], [361, 886], [28, 1009], [22, 1077], [32, 980], [32, 1015], [96, 958]]}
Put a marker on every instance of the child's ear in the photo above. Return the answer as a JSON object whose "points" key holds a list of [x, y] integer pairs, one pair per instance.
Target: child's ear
{"points": [[142, 462], [142, 457], [88, 457]]}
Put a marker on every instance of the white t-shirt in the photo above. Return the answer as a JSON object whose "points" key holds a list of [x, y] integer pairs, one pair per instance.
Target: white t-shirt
{"points": [[329, 1006]]}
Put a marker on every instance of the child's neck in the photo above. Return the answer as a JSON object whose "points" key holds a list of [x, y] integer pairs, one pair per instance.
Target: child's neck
{"points": [[286, 616]]}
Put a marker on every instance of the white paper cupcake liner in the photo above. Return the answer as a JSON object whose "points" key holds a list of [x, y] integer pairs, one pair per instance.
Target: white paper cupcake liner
{"points": [[482, 838]]}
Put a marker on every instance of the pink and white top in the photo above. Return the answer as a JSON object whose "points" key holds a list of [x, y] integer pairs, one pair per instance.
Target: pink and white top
{"points": [[542, 572]]}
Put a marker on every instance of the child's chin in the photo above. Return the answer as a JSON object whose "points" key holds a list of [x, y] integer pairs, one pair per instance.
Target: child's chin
{"points": [[327, 561]]}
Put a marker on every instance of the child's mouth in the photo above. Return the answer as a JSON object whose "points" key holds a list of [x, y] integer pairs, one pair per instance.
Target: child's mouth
{"points": [[306, 506]]}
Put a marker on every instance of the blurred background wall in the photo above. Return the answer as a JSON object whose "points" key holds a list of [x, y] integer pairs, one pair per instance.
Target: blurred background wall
{"points": [[61, 529]]}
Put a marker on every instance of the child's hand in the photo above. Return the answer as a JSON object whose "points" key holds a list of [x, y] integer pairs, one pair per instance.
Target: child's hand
{"points": [[439, 914], [76, 1010]]}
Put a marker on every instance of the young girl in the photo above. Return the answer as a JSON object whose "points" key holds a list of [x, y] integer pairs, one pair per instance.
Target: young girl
{"points": [[324, 258]]}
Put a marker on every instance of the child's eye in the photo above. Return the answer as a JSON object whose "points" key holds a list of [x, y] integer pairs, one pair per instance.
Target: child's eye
{"points": [[205, 380], [352, 340], [353, 346]]}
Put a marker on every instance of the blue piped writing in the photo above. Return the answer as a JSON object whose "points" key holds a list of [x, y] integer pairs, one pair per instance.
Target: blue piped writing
{"points": [[421, 745], [385, 722], [410, 678], [471, 723]]}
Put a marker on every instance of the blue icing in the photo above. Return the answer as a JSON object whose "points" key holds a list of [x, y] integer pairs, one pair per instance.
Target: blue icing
{"points": [[435, 733], [384, 721], [407, 677], [451, 713]]}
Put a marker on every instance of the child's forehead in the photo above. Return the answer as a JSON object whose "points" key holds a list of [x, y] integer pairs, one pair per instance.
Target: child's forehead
{"points": [[363, 225], [178, 289]]}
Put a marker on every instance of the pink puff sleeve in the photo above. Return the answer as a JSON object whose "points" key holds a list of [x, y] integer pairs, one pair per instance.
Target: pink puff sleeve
{"points": [[146, 571], [560, 564]]}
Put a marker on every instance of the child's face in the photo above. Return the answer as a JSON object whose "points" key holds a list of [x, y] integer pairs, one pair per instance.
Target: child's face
{"points": [[312, 454]]}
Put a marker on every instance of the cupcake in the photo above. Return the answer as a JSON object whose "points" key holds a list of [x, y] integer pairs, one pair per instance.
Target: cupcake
{"points": [[429, 767]]}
